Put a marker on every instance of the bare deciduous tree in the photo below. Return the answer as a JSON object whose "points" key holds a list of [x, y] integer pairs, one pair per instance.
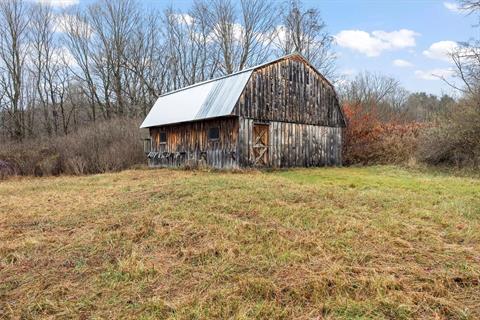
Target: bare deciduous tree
{"points": [[77, 39], [243, 41], [467, 62], [304, 31], [49, 70], [145, 66], [113, 58], [369, 88], [470, 6], [113, 24], [189, 45], [466, 59], [13, 48], [375, 91]]}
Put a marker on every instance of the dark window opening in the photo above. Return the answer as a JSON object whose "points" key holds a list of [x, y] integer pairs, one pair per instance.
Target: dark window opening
{"points": [[147, 145], [163, 137], [213, 133]]}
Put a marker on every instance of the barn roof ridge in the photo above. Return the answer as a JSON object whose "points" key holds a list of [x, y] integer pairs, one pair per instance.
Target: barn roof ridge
{"points": [[208, 99], [238, 72]]}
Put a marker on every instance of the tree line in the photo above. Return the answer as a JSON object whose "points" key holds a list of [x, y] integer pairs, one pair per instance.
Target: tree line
{"points": [[113, 58], [386, 124], [75, 83]]}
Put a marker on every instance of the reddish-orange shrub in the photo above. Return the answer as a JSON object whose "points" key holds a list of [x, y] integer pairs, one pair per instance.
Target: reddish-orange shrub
{"points": [[368, 140]]}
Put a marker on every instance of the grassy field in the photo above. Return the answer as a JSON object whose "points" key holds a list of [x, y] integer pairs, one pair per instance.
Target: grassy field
{"points": [[340, 243]]}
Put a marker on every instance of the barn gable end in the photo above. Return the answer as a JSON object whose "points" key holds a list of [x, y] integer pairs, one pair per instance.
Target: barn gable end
{"points": [[290, 90], [280, 114]]}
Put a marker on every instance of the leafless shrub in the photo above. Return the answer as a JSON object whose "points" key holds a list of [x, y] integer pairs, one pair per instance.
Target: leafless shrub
{"points": [[6, 170], [23, 156], [105, 146], [76, 165], [455, 138], [49, 163]]}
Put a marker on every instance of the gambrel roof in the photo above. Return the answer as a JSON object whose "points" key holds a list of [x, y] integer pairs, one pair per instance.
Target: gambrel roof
{"points": [[208, 99], [205, 100]]}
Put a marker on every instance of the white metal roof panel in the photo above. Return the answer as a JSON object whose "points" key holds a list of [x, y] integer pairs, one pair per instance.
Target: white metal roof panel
{"points": [[209, 99]]}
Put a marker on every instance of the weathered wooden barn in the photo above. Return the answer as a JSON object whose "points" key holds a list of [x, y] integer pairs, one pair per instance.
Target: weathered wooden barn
{"points": [[279, 114]]}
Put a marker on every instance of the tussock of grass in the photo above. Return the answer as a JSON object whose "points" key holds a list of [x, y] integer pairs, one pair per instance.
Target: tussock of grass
{"points": [[377, 242]]}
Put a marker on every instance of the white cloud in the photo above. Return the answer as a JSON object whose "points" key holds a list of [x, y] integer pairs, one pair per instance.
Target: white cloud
{"points": [[348, 72], [402, 63], [434, 74], [63, 56], [59, 3], [374, 43], [237, 31], [452, 6], [441, 50], [397, 39], [183, 18], [277, 37], [360, 41], [63, 22], [58, 56]]}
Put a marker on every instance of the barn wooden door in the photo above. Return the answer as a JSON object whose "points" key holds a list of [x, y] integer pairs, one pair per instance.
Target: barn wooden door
{"points": [[260, 145]]}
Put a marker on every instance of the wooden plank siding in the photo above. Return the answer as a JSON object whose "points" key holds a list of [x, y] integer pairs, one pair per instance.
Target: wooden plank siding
{"points": [[188, 144], [299, 106], [290, 91], [293, 144]]}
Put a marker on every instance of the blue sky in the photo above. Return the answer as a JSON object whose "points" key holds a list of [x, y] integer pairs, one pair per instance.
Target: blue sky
{"points": [[431, 22], [405, 39]]}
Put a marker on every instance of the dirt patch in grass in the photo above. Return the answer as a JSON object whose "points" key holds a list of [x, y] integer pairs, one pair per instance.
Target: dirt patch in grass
{"points": [[377, 242]]}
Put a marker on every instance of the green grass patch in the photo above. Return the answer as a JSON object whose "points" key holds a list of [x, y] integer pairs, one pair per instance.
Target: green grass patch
{"points": [[378, 242]]}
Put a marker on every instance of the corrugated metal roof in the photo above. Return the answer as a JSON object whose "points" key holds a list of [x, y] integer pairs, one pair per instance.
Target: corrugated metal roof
{"points": [[208, 99]]}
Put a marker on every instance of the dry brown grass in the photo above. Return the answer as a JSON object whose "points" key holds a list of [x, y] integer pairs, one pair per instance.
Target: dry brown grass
{"points": [[377, 242]]}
